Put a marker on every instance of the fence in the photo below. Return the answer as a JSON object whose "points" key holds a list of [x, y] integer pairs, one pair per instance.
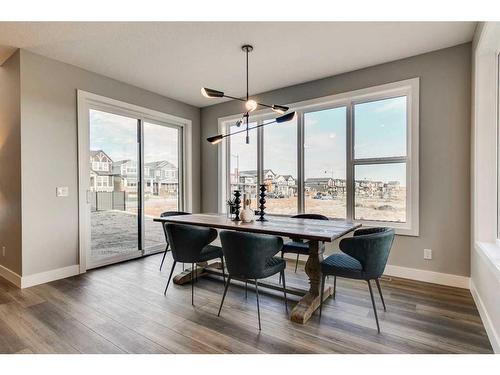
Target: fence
{"points": [[104, 201]]}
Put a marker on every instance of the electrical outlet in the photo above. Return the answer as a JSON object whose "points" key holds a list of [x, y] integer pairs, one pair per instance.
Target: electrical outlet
{"points": [[3, 251], [427, 254], [62, 191]]}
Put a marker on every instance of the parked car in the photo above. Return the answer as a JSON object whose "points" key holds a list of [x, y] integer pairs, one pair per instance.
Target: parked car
{"points": [[326, 198]]}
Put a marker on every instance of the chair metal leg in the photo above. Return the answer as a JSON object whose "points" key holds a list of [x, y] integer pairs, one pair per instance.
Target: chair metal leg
{"points": [[297, 263], [334, 286], [168, 282], [192, 284], [323, 277], [246, 290], [183, 267], [223, 270], [380, 292], [373, 303], [164, 254], [258, 307], [282, 256], [224, 295], [284, 289]]}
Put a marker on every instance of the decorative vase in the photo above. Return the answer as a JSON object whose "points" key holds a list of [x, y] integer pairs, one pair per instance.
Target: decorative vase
{"points": [[247, 215]]}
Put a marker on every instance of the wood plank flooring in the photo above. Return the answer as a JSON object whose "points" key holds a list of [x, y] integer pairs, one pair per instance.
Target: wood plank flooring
{"points": [[122, 309]]}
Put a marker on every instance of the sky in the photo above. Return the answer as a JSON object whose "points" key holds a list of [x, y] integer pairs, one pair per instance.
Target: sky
{"points": [[379, 131], [117, 137]]}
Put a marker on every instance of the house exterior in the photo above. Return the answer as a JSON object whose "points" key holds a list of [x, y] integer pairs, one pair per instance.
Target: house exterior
{"points": [[161, 178], [102, 178], [319, 184], [127, 169], [284, 186]]}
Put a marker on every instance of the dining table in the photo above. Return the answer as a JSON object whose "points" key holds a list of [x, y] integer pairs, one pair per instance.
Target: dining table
{"points": [[314, 232]]}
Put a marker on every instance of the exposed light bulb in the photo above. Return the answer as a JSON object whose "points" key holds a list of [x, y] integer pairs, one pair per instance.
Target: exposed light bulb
{"points": [[251, 105], [204, 92]]}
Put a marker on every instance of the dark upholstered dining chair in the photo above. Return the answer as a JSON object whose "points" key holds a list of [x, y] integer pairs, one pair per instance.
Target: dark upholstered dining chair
{"points": [[297, 246], [167, 214], [190, 244], [252, 257], [364, 257]]}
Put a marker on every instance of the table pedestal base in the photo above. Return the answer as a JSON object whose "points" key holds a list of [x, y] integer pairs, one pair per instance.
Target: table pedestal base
{"points": [[308, 305], [189, 274]]}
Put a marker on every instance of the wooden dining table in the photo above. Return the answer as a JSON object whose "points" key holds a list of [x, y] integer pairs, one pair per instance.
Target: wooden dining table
{"points": [[315, 232]]}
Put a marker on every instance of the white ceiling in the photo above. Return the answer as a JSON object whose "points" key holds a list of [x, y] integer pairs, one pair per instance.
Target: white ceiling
{"points": [[176, 58]]}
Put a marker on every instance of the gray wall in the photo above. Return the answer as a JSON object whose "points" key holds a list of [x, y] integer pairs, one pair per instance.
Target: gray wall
{"points": [[445, 86], [49, 153], [10, 162]]}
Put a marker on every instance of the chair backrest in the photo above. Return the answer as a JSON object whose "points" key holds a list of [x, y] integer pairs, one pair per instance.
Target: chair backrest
{"points": [[187, 241], [371, 247], [171, 213], [246, 253], [310, 216]]}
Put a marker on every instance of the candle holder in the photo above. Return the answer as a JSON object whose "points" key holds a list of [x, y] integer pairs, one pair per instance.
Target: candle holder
{"points": [[262, 202], [237, 205]]}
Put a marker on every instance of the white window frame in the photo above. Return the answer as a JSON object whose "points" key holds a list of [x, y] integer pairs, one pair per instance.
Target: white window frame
{"points": [[409, 88]]}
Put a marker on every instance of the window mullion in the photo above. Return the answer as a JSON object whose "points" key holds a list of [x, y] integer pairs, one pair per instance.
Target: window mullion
{"points": [[385, 160], [260, 156], [349, 162], [300, 163]]}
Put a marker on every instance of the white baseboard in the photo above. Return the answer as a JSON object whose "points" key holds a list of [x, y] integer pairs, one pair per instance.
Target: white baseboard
{"points": [[490, 328], [45, 277], [428, 276], [11, 276], [416, 274]]}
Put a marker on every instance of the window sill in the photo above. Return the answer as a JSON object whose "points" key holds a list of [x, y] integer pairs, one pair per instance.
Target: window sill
{"points": [[490, 251]]}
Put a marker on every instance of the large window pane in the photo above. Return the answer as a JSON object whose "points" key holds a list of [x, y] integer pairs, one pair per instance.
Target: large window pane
{"points": [[380, 192], [113, 185], [380, 128], [325, 162], [161, 179], [280, 167], [243, 164]]}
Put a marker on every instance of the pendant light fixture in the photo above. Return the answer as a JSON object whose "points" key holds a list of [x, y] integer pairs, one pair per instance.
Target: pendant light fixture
{"points": [[250, 106]]}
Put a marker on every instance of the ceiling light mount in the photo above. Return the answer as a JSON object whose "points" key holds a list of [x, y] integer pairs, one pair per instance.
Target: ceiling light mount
{"points": [[250, 104], [247, 48]]}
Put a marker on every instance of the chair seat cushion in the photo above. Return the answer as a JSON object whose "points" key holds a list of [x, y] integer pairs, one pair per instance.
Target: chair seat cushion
{"points": [[296, 247], [340, 264], [273, 266], [210, 252]]}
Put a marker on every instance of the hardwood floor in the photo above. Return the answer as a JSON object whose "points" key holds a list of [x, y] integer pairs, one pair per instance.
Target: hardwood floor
{"points": [[122, 309]]}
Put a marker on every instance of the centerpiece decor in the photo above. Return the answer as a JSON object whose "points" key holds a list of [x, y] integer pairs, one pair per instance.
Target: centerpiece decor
{"points": [[237, 206], [247, 215], [262, 202]]}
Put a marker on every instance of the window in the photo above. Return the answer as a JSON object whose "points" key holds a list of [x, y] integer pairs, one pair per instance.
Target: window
{"points": [[325, 162], [350, 156], [280, 168], [380, 160], [243, 165]]}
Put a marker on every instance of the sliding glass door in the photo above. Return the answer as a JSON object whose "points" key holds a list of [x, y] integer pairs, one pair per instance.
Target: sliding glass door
{"points": [[134, 176], [161, 179]]}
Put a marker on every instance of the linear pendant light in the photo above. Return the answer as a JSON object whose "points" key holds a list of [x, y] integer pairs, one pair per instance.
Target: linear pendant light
{"points": [[250, 106]]}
